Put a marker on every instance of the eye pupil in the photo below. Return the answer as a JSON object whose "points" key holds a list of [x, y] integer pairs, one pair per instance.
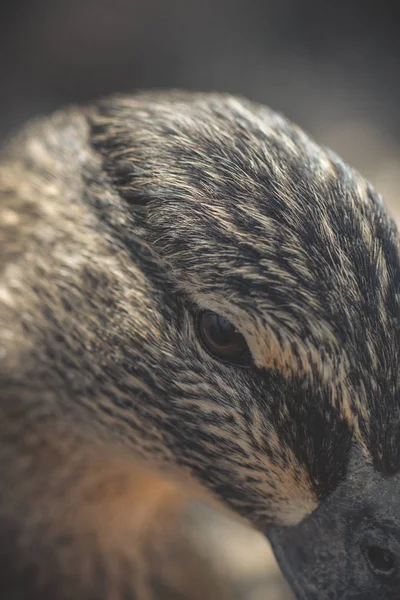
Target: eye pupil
{"points": [[221, 331], [222, 339]]}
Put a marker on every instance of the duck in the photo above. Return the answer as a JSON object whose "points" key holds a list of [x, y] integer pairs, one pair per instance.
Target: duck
{"points": [[199, 311]]}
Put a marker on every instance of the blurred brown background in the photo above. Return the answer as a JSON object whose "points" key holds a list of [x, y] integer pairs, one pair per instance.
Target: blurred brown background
{"points": [[333, 67]]}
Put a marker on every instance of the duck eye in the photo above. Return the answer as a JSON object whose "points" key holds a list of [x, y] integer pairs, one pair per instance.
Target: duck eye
{"points": [[222, 340]]}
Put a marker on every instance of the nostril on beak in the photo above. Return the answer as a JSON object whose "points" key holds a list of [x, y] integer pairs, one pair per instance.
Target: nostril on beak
{"points": [[380, 558]]}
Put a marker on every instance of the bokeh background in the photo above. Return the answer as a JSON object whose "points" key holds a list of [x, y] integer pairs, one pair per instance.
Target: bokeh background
{"points": [[331, 66]]}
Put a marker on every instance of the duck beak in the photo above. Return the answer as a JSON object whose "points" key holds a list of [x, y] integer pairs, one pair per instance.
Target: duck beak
{"points": [[349, 547]]}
